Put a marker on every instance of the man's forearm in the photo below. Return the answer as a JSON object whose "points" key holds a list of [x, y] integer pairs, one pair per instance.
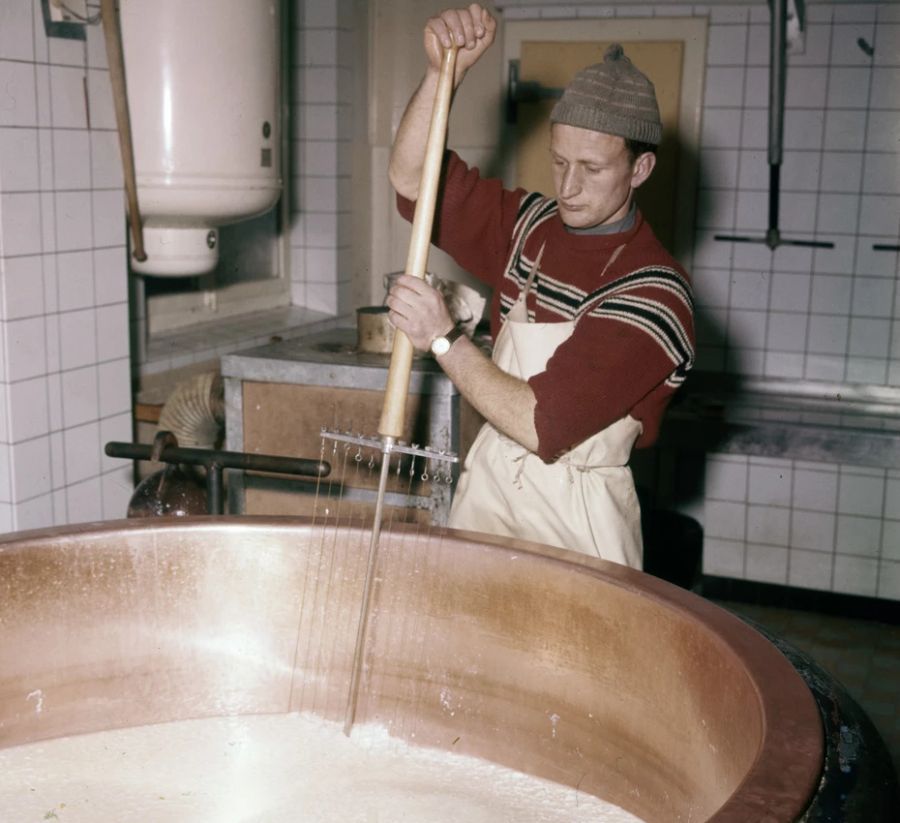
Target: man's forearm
{"points": [[506, 402]]}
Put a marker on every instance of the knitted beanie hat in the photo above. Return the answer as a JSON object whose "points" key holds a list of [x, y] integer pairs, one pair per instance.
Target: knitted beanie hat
{"points": [[612, 97]]}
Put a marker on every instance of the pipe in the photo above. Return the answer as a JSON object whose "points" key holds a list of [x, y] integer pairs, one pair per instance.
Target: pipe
{"points": [[195, 411]]}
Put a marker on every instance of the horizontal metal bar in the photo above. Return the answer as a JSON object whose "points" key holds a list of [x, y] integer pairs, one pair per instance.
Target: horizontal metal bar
{"points": [[212, 458]]}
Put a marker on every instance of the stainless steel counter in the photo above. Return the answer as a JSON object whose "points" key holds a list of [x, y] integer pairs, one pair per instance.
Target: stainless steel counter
{"points": [[798, 420]]}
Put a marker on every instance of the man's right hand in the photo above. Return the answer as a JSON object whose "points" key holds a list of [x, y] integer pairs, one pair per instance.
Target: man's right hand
{"points": [[471, 29]]}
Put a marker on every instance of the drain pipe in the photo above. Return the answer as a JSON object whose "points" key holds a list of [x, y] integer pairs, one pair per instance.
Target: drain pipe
{"points": [[113, 36]]}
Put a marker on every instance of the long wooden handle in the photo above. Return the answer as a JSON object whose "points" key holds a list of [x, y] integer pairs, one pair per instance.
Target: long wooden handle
{"points": [[397, 389], [116, 60]]}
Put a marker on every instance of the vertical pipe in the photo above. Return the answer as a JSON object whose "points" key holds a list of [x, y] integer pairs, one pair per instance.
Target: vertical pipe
{"points": [[777, 49]]}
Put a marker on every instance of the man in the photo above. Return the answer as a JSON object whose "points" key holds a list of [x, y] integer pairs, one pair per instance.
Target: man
{"points": [[591, 317]]}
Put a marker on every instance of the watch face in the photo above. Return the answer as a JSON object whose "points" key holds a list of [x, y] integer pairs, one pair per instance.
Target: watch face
{"points": [[440, 345]]}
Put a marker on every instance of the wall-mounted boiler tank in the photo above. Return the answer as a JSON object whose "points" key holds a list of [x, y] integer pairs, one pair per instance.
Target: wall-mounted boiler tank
{"points": [[203, 81]]}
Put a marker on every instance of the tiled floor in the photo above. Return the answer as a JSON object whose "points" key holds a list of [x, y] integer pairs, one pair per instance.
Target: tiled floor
{"points": [[864, 655]]}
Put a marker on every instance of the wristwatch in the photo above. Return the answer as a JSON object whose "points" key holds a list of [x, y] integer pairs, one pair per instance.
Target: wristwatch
{"points": [[441, 344]]}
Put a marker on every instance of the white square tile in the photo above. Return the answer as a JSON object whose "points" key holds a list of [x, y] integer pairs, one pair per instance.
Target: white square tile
{"points": [[791, 292], [78, 338], [106, 162], [885, 88], [755, 132], [83, 449], [872, 370], [721, 128], [798, 215], [804, 88], [726, 479], [317, 122], [117, 490], [5, 476], [16, 41], [869, 337], [767, 564], [45, 159], [23, 287], [80, 391], [890, 540], [869, 261], [758, 44], [103, 113], [815, 490], [723, 558], [754, 169], [726, 45], [872, 297], [816, 41], [20, 224], [111, 275], [71, 159], [724, 86], [35, 513], [112, 332], [7, 523], [73, 221], [715, 209], [810, 570], [19, 160], [723, 519], [858, 535], [750, 289], [889, 580], [96, 48], [861, 494], [54, 401], [110, 223], [747, 329], [786, 332], [845, 50], [115, 387], [756, 88], [769, 482], [30, 462], [711, 287], [848, 88], [770, 525], [804, 128], [321, 297], [855, 575], [800, 171], [892, 496], [751, 215], [784, 364], [60, 509], [828, 334], [19, 106], [28, 409], [882, 174], [887, 43], [84, 501], [26, 348], [882, 131], [48, 220], [880, 214], [844, 130], [831, 294], [67, 97], [57, 460], [842, 171], [812, 530], [75, 278]]}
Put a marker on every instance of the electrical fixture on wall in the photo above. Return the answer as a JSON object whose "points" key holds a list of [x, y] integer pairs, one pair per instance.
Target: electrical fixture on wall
{"points": [[66, 18]]}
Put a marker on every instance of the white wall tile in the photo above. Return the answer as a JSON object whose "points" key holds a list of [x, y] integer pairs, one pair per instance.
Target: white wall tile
{"points": [[726, 479], [103, 113], [767, 564], [880, 214], [78, 338], [16, 41], [80, 393], [23, 287], [855, 575], [30, 461], [34, 512], [73, 221], [723, 558], [109, 218], [84, 501], [28, 409], [20, 223], [890, 539], [117, 489], [769, 525], [26, 348], [813, 530], [106, 162], [18, 98], [71, 159], [885, 88], [882, 131], [19, 160], [75, 280], [810, 570], [114, 386], [848, 88], [861, 494], [815, 490], [869, 337], [889, 580], [858, 535], [111, 275], [67, 97], [882, 174], [82, 452], [827, 334]]}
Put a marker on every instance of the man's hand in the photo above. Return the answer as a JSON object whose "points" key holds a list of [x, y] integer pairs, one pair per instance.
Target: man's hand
{"points": [[471, 30], [418, 310]]}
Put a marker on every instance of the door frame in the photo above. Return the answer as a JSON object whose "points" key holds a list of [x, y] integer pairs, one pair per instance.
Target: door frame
{"points": [[693, 32]]}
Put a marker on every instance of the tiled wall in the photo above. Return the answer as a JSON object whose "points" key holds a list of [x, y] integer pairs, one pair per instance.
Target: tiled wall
{"points": [[65, 381], [64, 360], [322, 59], [796, 313]]}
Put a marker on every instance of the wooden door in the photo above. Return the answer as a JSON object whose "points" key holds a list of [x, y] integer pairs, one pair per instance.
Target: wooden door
{"points": [[552, 65], [670, 51]]}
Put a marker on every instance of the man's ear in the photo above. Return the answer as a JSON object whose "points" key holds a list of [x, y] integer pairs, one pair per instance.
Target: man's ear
{"points": [[643, 166]]}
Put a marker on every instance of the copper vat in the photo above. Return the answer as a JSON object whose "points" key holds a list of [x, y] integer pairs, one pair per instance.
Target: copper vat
{"points": [[577, 670]]}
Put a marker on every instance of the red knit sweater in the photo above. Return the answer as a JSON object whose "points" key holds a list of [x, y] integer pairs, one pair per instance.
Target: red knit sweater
{"points": [[634, 340]]}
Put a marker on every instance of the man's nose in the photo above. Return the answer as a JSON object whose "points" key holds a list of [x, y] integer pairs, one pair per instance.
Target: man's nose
{"points": [[570, 183]]}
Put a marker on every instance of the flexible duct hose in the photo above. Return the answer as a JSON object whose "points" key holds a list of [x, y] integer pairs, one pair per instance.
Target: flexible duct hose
{"points": [[195, 411]]}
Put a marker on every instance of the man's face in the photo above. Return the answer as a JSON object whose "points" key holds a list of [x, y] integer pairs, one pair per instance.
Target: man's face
{"points": [[594, 175]]}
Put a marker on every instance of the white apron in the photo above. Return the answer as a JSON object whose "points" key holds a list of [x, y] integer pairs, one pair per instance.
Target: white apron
{"points": [[585, 501]]}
